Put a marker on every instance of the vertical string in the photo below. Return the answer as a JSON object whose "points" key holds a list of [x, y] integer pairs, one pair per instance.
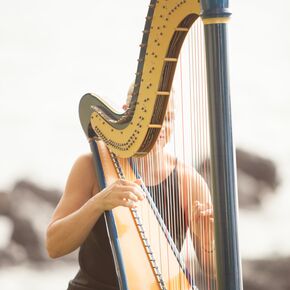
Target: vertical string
{"points": [[207, 256], [192, 127], [173, 213], [182, 130], [199, 136], [195, 113], [203, 189]]}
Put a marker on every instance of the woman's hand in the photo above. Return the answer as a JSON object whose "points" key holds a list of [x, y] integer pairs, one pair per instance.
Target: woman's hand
{"points": [[120, 193], [203, 225]]}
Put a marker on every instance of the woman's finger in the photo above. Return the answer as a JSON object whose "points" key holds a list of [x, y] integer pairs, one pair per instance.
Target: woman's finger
{"points": [[128, 203], [129, 196], [136, 190]]}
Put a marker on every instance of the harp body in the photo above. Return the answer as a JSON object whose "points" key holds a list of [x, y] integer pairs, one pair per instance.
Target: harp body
{"points": [[141, 266], [115, 137]]}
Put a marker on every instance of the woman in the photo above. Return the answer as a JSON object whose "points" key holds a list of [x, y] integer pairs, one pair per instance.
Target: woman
{"points": [[78, 220]]}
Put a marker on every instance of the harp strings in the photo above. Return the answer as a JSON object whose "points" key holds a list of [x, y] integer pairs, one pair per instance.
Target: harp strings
{"points": [[173, 169], [200, 142]]}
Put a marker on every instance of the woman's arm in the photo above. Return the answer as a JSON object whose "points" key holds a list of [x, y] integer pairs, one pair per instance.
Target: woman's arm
{"points": [[80, 208], [198, 206]]}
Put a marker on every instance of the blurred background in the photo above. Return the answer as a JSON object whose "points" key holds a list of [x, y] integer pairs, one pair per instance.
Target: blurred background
{"points": [[53, 52]]}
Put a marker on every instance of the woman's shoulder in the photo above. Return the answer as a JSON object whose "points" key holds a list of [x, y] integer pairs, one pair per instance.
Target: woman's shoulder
{"points": [[84, 159], [185, 169], [84, 165], [83, 172]]}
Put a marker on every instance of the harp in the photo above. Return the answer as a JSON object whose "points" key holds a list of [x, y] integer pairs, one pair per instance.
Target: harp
{"points": [[117, 140]]}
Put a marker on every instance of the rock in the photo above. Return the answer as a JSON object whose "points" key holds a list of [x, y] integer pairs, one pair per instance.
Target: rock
{"points": [[259, 168], [28, 208], [13, 254], [256, 177], [6, 230], [25, 235], [267, 274], [5, 203], [52, 195]]}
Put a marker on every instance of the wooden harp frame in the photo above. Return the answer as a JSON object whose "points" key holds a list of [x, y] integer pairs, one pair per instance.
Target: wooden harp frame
{"points": [[134, 132]]}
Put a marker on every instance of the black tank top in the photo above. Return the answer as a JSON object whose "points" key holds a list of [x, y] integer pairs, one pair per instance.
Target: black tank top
{"points": [[97, 270], [166, 198]]}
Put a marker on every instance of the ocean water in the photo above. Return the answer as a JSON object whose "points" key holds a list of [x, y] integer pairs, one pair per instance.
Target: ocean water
{"points": [[52, 52]]}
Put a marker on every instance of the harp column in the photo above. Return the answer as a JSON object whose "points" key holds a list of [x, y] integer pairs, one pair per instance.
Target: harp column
{"points": [[215, 15]]}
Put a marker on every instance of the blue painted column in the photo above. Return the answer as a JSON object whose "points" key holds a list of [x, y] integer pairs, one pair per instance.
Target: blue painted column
{"points": [[215, 15]]}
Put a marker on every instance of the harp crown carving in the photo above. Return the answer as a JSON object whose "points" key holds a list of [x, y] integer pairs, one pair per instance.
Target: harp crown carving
{"points": [[134, 132]]}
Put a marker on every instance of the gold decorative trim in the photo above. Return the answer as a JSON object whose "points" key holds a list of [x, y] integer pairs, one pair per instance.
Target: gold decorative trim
{"points": [[218, 20], [170, 59], [160, 93], [182, 29], [154, 126]]}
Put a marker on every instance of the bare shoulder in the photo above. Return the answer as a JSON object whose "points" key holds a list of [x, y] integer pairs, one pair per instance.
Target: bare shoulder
{"points": [[193, 184], [80, 186], [84, 161], [186, 170], [83, 173]]}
